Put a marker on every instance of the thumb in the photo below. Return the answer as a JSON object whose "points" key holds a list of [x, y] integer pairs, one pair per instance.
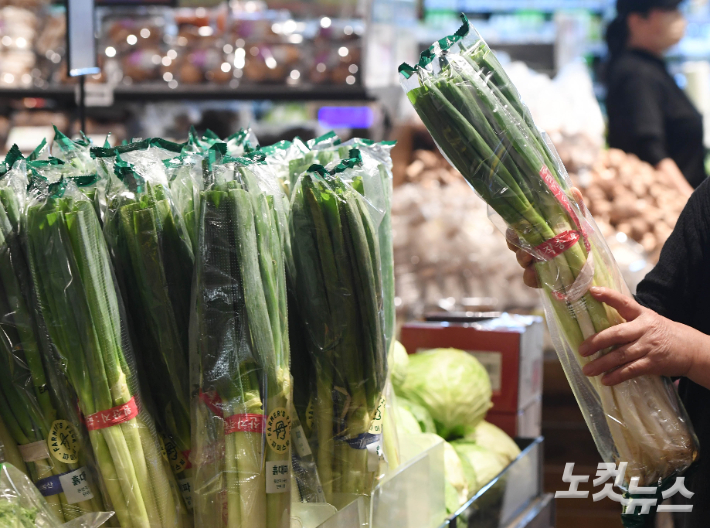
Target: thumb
{"points": [[627, 307], [577, 195]]}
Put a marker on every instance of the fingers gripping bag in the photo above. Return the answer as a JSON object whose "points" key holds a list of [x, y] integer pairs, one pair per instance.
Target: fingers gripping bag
{"points": [[338, 288], [81, 305], [477, 119], [34, 408], [22, 505], [240, 352], [152, 255]]}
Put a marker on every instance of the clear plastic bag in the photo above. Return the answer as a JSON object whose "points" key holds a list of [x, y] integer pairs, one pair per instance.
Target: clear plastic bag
{"points": [[22, 505], [240, 352], [480, 124], [34, 406], [338, 287], [241, 142], [81, 306], [152, 256]]}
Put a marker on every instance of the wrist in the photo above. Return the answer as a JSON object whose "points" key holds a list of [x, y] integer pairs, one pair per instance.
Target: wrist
{"points": [[696, 345]]}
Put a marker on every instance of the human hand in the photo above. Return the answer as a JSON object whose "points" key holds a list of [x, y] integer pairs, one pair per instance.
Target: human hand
{"points": [[525, 259], [647, 343]]}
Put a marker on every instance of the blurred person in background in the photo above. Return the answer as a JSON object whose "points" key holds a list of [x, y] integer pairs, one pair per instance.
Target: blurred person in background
{"points": [[649, 115]]}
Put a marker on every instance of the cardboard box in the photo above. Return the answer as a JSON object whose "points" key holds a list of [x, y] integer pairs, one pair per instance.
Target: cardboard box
{"points": [[510, 347], [524, 423]]}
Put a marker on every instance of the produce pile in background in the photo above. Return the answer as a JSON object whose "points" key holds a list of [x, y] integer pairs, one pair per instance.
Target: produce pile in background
{"points": [[446, 250], [629, 196], [448, 392], [280, 260], [566, 108]]}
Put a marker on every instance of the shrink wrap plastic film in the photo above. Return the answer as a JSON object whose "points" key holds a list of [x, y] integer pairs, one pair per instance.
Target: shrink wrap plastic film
{"points": [[81, 305], [239, 368], [153, 261], [479, 123], [337, 281], [23, 506], [40, 427]]}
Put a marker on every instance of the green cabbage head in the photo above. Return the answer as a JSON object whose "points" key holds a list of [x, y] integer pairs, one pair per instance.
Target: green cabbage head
{"points": [[456, 481], [426, 422], [495, 439], [406, 422], [452, 385], [400, 362], [485, 463]]}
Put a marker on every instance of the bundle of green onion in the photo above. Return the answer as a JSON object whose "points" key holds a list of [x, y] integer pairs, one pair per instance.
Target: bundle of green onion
{"points": [[27, 399], [80, 303], [338, 288], [477, 119], [240, 352], [153, 260]]}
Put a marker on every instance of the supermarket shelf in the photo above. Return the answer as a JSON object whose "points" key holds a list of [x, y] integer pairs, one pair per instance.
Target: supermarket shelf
{"points": [[161, 92]]}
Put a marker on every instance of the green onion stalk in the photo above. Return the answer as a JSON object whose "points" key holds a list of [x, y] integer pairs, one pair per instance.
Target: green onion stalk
{"points": [[185, 189], [477, 119], [8, 449], [339, 290], [81, 306], [28, 403], [153, 260], [240, 353]]}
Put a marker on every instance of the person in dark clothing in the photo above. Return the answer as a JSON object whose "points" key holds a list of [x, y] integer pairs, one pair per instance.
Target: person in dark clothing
{"points": [[649, 115], [667, 333]]}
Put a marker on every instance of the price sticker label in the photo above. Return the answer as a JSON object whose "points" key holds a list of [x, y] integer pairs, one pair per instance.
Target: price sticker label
{"points": [[76, 486], [186, 491], [278, 476]]}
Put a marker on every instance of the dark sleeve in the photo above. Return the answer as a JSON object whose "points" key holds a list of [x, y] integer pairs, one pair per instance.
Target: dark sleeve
{"points": [[643, 102], [673, 287]]}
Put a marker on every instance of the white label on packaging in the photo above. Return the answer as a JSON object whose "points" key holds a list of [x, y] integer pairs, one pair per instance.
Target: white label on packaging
{"points": [[186, 490], [374, 454], [34, 451], [278, 476], [76, 486], [302, 447], [493, 363]]}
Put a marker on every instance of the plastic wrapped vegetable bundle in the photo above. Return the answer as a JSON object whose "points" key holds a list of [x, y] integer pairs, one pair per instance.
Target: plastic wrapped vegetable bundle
{"points": [[22, 506], [153, 259], [82, 308], [241, 142], [480, 124], [339, 291], [29, 394], [240, 352]]}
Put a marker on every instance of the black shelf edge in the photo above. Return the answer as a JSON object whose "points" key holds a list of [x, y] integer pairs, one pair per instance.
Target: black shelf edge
{"points": [[203, 92]]}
